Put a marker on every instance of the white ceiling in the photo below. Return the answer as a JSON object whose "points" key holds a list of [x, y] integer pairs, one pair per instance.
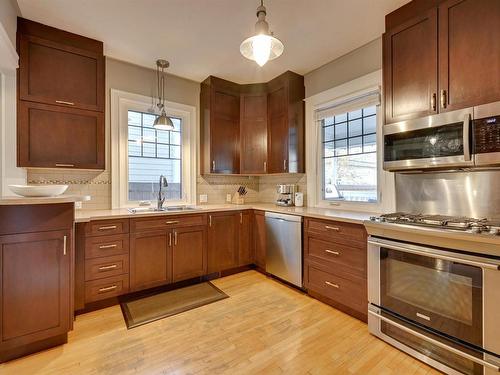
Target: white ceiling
{"points": [[202, 37]]}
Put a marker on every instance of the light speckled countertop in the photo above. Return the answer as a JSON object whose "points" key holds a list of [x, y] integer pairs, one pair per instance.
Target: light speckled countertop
{"points": [[320, 213], [18, 200]]}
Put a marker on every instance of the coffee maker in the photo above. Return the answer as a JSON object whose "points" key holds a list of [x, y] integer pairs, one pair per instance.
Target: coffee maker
{"points": [[285, 194]]}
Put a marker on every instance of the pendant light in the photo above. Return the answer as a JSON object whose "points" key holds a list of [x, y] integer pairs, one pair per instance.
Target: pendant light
{"points": [[263, 46], [162, 122]]}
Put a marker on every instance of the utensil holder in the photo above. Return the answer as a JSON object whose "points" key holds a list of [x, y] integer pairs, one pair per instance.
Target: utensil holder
{"points": [[237, 199]]}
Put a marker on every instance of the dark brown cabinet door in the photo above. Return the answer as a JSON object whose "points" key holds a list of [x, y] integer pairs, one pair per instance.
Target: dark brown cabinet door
{"points": [[410, 68], [278, 131], [253, 133], [35, 290], [51, 136], [55, 73], [150, 259], [469, 53], [189, 253], [246, 249], [222, 241], [224, 132], [260, 239]]}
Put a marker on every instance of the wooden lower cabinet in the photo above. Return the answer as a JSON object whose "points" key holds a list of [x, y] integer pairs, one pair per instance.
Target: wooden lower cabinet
{"points": [[189, 253], [150, 259], [246, 248], [223, 229], [259, 239]]}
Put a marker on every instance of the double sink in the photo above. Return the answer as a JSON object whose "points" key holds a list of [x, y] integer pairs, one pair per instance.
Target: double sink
{"points": [[164, 209]]}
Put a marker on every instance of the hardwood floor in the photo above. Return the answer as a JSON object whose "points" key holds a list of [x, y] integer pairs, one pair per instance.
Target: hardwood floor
{"points": [[263, 328]]}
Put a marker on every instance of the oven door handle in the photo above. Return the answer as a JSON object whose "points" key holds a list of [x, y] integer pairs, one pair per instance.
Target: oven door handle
{"points": [[428, 252], [435, 342]]}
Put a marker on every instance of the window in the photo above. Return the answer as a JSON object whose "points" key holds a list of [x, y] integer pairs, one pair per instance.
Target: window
{"points": [[140, 153], [152, 153], [349, 165]]}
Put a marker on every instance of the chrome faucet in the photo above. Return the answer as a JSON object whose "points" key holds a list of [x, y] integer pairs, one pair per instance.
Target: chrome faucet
{"points": [[163, 183]]}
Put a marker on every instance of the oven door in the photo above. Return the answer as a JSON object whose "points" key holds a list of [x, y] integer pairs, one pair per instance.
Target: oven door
{"points": [[439, 141], [434, 302]]}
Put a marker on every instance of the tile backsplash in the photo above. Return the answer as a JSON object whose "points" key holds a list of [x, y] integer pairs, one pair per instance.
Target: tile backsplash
{"points": [[97, 184]]}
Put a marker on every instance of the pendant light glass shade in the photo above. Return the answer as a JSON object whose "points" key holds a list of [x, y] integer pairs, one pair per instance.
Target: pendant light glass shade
{"points": [[263, 46], [162, 122]]}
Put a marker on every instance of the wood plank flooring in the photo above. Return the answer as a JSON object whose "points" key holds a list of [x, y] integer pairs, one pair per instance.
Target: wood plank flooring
{"points": [[263, 328]]}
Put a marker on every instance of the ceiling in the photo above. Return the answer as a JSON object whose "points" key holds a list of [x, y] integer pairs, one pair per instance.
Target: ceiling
{"points": [[202, 37]]}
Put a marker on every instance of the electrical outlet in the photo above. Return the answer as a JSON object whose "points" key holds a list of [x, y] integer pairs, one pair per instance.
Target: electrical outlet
{"points": [[229, 198], [203, 198]]}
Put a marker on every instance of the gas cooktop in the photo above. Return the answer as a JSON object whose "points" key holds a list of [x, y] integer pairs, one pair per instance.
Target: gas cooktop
{"points": [[468, 224]]}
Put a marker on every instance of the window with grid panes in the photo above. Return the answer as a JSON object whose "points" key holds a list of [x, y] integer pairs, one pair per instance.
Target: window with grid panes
{"points": [[349, 157], [152, 153]]}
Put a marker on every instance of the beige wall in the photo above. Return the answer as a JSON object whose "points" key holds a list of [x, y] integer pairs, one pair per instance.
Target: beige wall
{"points": [[356, 63], [8, 18]]}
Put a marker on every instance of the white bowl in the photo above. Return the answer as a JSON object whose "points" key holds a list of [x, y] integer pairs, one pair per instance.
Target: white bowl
{"points": [[38, 190]]}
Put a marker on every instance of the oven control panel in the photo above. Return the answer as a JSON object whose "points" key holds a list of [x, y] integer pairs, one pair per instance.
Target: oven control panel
{"points": [[487, 135]]}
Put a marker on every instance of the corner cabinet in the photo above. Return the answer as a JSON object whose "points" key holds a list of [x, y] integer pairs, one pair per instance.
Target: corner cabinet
{"points": [[439, 56], [60, 99], [253, 129]]}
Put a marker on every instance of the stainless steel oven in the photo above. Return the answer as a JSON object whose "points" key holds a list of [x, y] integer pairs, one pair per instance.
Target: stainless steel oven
{"points": [[440, 305], [437, 141]]}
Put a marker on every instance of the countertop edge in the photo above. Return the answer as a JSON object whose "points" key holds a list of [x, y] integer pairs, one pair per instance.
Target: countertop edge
{"points": [[19, 200]]}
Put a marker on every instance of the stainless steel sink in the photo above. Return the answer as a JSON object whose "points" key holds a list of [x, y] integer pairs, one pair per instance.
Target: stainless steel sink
{"points": [[163, 209]]}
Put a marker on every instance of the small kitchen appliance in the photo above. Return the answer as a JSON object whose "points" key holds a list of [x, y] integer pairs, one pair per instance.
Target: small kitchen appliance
{"points": [[286, 194]]}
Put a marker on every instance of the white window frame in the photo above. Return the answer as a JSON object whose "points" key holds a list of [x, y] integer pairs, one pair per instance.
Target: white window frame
{"points": [[314, 167], [121, 103]]}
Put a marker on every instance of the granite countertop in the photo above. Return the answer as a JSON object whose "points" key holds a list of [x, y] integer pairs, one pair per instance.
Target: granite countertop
{"points": [[320, 213], [18, 200]]}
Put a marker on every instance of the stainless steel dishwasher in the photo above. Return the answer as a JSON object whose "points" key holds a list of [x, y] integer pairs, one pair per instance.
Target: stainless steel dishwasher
{"points": [[284, 247]]}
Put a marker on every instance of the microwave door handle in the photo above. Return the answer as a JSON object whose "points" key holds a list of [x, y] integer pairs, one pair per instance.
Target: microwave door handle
{"points": [[466, 135], [434, 342]]}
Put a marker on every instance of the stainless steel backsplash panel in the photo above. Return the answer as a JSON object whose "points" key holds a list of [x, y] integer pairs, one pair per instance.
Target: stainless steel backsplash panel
{"points": [[474, 194]]}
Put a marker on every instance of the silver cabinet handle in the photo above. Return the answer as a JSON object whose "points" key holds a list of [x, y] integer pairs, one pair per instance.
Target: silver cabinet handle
{"points": [[434, 342], [65, 240], [107, 289], [172, 222], [209, 220], [332, 252], [332, 284], [265, 166], [175, 238], [433, 101], [110, 267], [64, 102], [170, 239], [284, 165], [444, 100], [213, 165], [109, 227], [65, 165], [466, 130], [332, 228], [107, 246]]}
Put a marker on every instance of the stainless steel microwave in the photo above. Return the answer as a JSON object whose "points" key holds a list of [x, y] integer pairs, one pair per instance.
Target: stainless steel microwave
{"points": [[464, 138]]}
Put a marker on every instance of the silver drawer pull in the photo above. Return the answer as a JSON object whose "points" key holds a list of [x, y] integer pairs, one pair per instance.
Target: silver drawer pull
{"points": [[107, 246], [332, 252], [109, 227], [107, 289], [172, 222], [332, 284], [110, 267], [64, 102], [65, 165], [332, 228]]}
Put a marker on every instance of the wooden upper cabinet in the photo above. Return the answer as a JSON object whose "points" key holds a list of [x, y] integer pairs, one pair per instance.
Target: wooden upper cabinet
{"points": [[223, 231], [253, 133], [410, 68], [60, 98], [220, 119], [55, 73], [469, 53]]}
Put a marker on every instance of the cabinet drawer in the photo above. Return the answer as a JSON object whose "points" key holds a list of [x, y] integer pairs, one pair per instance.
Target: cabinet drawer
{"points": [[103, 246], [167, 222], [350, 258], [100, 268], [337, 231], [107, 227], [106, 288], [350, 292]]}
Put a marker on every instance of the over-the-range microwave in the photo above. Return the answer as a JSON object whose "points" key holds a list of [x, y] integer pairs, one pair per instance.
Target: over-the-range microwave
{"points": [[465, 138]]}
